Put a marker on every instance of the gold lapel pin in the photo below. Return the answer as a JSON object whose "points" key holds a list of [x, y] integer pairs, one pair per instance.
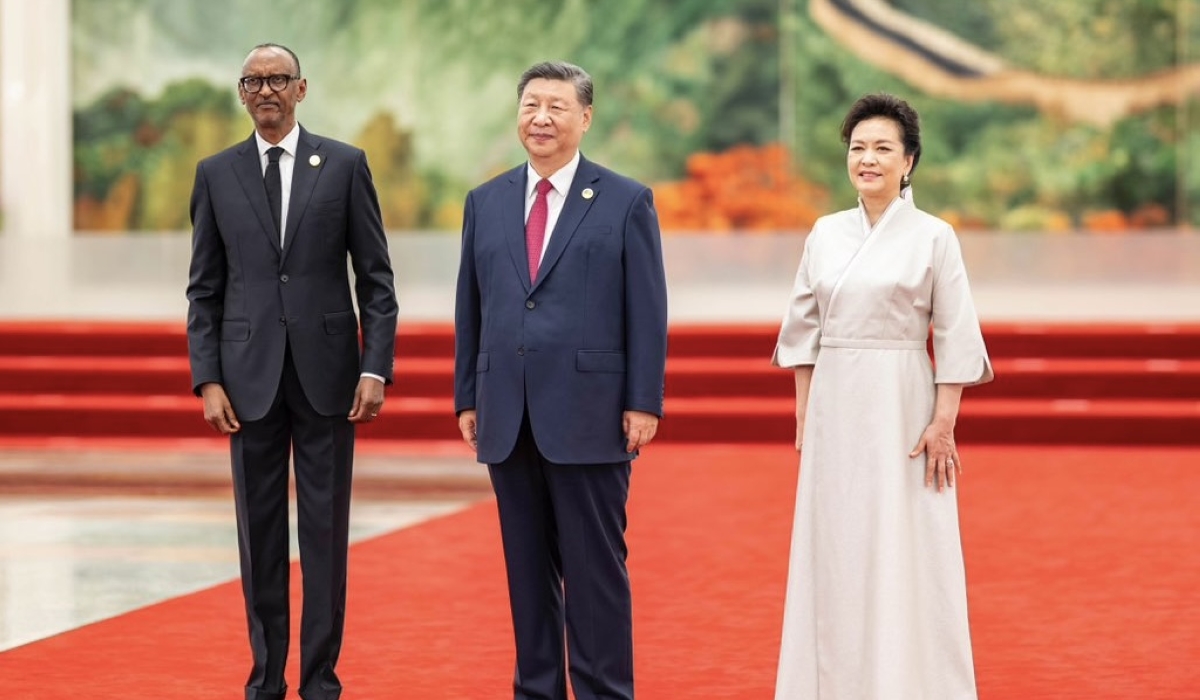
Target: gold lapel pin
{"points": [[588, 193], [314, 160]]}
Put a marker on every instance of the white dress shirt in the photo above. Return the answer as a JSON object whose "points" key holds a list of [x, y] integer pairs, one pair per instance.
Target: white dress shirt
{"points": [[555, 198], [287, 163]]}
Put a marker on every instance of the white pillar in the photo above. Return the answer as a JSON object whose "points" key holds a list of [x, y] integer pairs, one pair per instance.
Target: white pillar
{"points": [[36, 194]]}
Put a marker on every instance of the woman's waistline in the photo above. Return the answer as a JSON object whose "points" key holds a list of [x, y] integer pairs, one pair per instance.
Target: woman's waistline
{"points": [[873, 343]]}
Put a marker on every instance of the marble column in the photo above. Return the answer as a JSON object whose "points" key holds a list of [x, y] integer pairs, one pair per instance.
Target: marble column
{"points": [[36, 187], [35, 117]]}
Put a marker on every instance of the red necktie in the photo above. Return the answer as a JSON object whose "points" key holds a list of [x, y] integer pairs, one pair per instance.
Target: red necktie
{"points": [[535, 228]]}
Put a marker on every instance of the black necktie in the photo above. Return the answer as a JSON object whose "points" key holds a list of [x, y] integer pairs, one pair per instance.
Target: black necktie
{"points": [[274, 185]]}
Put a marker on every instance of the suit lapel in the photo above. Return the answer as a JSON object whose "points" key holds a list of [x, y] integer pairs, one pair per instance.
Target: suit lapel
{"points": [[514, 223], [304, 179], [575, 207], [248, 169]]}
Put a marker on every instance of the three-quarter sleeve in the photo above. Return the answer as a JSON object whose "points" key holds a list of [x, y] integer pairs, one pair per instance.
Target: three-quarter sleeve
{"points": [[960, 355], [800, 336]]}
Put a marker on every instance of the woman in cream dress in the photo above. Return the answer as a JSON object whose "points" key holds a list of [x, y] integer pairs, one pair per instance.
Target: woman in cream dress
{"points": [[876, 598]]}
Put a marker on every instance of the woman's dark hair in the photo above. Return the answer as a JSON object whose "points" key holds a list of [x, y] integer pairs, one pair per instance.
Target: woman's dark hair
{"points": [[888, 107]]}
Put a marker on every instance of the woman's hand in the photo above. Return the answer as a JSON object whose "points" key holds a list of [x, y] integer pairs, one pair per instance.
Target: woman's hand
{"points": [[804, 375], [942, 463]]}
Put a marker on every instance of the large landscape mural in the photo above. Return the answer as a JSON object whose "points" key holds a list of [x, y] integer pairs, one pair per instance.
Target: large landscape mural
{"points": [[1037, 116]]}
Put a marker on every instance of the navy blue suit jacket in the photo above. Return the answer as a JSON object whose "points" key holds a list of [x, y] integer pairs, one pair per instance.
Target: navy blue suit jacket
{"points": [[580, 345], [249, 298]]}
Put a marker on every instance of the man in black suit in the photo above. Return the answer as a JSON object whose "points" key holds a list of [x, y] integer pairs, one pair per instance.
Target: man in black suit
{"points": [[273, 340]]}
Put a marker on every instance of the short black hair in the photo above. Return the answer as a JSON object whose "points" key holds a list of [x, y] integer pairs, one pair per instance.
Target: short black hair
{"points": [[281, 47], [559, 70], [887, 106]]}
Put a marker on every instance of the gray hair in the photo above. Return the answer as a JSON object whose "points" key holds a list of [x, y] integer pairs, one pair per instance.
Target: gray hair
{"points": [[559, 70]]}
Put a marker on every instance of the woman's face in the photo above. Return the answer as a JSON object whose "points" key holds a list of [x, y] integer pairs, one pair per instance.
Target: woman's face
{"points": [[876, 160]]}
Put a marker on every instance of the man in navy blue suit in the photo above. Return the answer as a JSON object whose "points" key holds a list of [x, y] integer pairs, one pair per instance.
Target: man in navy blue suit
{"points": [[560, 350]]}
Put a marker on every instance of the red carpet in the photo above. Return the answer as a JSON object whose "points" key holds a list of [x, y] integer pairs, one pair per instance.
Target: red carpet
{"points": [[1057, 384], [1083, 567]]}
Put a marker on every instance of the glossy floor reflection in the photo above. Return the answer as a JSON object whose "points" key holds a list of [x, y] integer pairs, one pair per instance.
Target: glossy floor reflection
{"points": [[71, 554]]}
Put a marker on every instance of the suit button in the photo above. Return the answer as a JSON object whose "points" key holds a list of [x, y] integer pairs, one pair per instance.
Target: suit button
{"points": [[283, 320], [530, 304], [283, 278], [520, 351]]}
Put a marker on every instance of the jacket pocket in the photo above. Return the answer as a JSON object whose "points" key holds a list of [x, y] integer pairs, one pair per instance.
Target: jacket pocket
{"points": [[599, 361], [481, 362], [235, 331], [341, 322]]}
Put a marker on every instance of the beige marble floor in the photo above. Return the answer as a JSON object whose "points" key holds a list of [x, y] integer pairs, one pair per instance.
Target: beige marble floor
{"points": [[87, 534]]}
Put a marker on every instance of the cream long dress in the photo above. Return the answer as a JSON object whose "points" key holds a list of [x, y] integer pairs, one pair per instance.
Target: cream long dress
{"points": [[876, 597]]}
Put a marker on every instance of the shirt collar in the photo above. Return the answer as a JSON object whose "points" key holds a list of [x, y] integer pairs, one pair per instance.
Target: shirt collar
{"points": [[894, 206], [289, 142], [561, 179]]}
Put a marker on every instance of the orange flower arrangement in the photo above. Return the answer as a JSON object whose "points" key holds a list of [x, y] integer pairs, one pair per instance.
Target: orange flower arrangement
{"points": [[1106, 221], [743, 189], [1150, 216]]}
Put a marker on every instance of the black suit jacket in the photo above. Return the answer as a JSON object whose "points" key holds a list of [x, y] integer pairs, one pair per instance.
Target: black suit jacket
{"points": [[249, 299]]}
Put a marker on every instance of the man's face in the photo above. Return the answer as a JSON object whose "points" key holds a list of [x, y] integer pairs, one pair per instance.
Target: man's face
{"points": [[272, 110], [551, 121]]}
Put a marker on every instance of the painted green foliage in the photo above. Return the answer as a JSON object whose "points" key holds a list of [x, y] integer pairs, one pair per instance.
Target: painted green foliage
{"points": [[428, 89], [1012, 167]]}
